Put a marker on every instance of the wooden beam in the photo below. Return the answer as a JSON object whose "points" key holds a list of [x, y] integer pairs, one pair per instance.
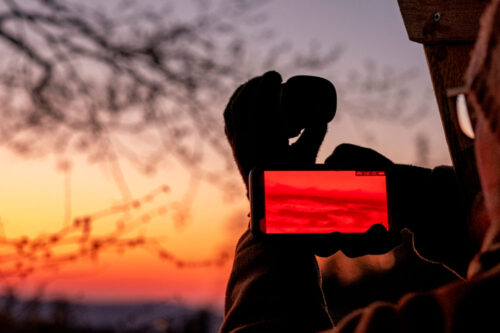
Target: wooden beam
{"points": [[447, 63], [442, 21], [448, 29]]}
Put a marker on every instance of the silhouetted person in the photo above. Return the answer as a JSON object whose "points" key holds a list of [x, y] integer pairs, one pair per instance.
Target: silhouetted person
{"points": [[276, 287]]}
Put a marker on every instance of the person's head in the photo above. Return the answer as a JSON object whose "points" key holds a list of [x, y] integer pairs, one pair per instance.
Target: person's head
{"points": [[483, 87]]}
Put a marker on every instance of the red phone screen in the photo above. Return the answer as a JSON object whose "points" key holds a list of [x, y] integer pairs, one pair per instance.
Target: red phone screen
{"points": [[323, 201]]}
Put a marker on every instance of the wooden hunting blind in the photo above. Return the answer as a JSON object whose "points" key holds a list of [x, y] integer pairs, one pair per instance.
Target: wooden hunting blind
{"points": [[447, 29]]}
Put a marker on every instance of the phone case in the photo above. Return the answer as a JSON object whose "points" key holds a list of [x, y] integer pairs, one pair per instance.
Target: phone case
{"points": [[257, 200]]}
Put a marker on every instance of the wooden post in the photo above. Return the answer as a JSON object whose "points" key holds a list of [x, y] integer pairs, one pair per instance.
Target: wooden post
{"points": [[448, 29]]}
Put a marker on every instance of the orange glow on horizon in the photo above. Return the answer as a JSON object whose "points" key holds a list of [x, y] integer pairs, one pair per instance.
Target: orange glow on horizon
{"points": [[32, 205]]}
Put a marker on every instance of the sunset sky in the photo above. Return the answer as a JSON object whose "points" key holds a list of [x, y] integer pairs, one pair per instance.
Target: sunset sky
{"points": [[34, 197]]}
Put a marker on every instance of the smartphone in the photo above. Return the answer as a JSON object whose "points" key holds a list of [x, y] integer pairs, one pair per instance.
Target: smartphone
{"points": [[318, 201]]}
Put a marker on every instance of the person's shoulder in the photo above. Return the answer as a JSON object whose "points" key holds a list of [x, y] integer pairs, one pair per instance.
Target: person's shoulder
{"points": [[463, 306]]}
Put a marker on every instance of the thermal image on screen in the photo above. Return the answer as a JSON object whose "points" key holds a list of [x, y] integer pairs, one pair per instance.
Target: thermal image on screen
{"points": [[324, 201]]}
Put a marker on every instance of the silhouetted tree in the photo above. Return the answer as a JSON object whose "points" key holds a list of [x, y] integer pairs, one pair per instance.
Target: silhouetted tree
{"points": [[94, 76]]}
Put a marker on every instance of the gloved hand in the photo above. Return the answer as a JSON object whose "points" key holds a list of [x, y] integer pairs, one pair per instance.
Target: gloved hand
{"points": [[259, 120], [376, 240], [425, 201]]}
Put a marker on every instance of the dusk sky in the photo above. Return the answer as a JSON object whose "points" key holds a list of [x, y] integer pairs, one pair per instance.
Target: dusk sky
{"points": [[373, 39], [368, 31]]}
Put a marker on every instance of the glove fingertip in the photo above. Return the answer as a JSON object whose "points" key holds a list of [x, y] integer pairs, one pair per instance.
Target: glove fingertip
{"points": [[347, 156]]}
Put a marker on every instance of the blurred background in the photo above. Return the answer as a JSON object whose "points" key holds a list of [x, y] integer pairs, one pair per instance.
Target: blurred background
{"points": [[120, 206]]}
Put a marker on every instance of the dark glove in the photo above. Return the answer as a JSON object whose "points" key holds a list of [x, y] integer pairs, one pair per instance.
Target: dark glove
{"points": [[440, 226], [425, 201], [263, 114], [376, 240]]}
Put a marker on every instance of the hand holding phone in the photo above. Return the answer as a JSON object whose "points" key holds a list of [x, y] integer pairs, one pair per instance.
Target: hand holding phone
{"points": [[326, 209]]}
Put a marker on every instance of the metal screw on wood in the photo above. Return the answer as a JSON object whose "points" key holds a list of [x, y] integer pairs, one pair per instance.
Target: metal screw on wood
{"points": [[437, 17]]}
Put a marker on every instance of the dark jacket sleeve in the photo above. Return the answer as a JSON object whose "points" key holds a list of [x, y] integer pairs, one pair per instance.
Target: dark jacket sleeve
{"points": [[278, 289], [464, 306], [274, 288]]}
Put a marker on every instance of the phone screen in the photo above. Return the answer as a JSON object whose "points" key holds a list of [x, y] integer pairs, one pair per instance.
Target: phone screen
{"points": [[323, 201]]}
